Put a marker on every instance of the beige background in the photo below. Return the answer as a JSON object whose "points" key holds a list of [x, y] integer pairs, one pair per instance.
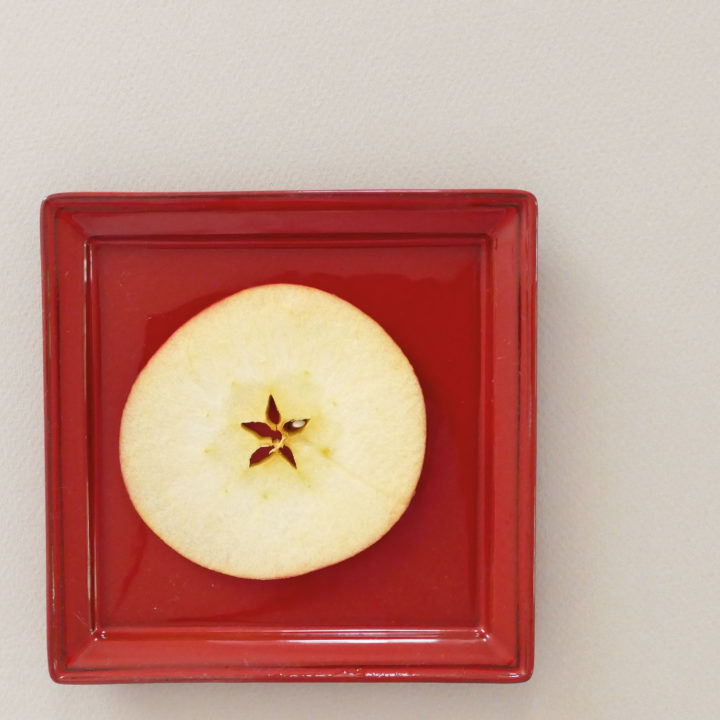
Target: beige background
{"points": [[607, 111]]}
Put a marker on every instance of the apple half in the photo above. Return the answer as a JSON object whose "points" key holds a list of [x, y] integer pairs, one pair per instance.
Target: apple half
{"points": [[278, 431]]}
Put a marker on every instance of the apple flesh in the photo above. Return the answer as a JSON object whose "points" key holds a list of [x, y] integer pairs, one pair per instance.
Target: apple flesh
{"points": [[185, 448]]}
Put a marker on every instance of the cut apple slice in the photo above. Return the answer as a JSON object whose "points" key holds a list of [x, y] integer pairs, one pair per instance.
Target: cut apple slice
{"points": [[278, 431]]}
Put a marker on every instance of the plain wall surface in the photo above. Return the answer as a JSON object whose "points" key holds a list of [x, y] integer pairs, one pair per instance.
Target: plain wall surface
{"points": [[608, 111]]}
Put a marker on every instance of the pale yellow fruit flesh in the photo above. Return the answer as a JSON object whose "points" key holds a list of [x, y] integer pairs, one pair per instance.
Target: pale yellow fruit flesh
{"points": [[185, 455]]}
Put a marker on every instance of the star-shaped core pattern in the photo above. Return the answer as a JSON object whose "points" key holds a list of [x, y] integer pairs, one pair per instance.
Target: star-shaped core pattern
{"points": [[277, 431]]}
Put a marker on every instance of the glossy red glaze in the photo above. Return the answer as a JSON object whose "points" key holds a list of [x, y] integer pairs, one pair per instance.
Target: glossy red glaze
{"points": [[447, 594]]}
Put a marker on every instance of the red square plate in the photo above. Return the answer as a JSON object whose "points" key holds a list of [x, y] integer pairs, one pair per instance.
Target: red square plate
{"points": [[447, 593]]}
